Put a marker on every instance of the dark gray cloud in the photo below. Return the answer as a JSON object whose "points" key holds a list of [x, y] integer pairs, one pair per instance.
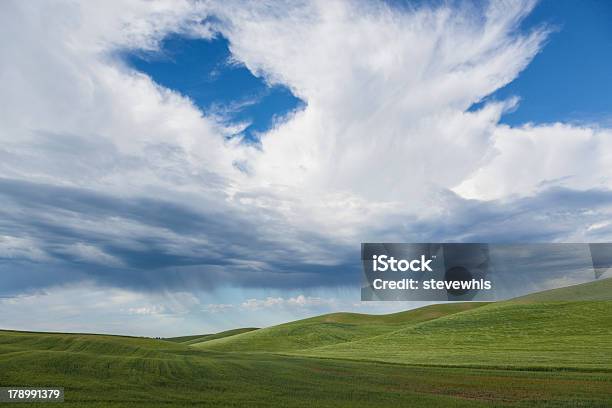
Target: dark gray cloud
{"points": [[554, 214], [72, 234], [183, 248]]}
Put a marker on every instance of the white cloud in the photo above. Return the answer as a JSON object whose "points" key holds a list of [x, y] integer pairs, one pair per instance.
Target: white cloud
{"points": [[21, 248], [254, 304], [383, 89], [89, 253], [147, 310], [299, 301], [218, 307], [534, 157]]}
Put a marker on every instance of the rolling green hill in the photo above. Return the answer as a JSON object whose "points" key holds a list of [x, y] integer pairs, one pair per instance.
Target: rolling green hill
{"points": [[201, 338], [596, 290], [15, 341], [522, 335], [542, 329], [330, 329]]}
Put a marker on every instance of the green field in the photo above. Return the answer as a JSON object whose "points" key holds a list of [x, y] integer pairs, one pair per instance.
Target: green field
{"points": [[532, 351], [331, 329], [201, 338]]}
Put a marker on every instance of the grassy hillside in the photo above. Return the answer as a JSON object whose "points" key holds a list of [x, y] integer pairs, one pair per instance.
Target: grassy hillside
{"points": [[538, 330], [14, 341], [110, 371], [330, 329], [183, 339], [200, 338], [596, 290], [545, 335]]}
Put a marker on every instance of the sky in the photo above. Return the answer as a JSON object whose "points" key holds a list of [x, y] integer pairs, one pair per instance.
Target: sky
{"points": [[178, 167]]}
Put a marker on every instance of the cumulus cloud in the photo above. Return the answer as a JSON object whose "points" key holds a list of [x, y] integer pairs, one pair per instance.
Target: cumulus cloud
{"points": [[533, 158], [387, 95], [107, 177]]}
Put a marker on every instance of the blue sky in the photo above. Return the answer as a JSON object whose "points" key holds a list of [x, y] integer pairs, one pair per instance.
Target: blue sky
{"points": [[571, 78], [204, 70], [188, 167]]}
